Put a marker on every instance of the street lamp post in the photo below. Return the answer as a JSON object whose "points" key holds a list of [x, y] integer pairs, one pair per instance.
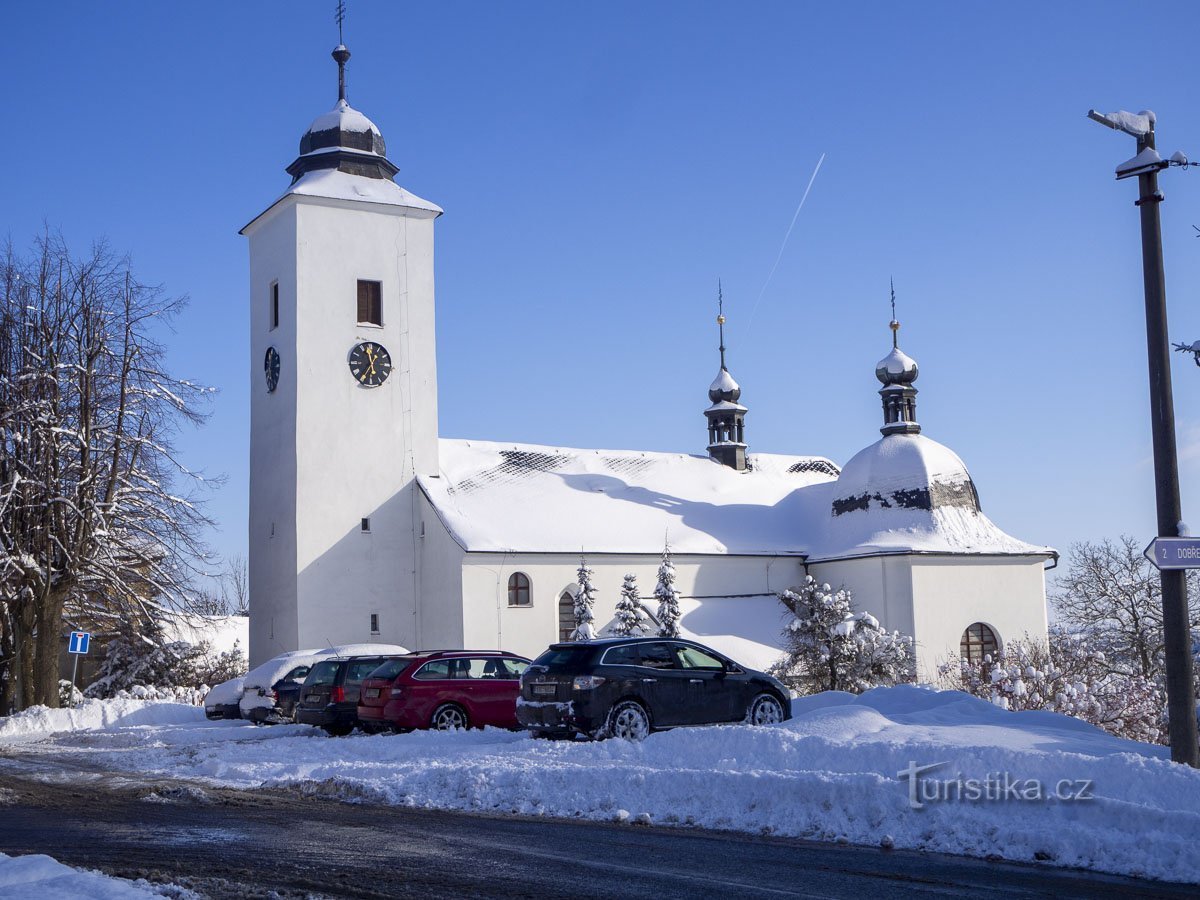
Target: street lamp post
{"points": [[1181, 691]]}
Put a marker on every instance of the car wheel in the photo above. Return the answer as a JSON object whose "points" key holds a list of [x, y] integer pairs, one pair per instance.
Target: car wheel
{"points": [[449, 717], [628, 720], [338, 730], [765, 709]]}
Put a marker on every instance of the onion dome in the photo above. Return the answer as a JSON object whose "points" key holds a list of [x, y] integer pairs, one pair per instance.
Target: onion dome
{"points": [[343, 138], [896, 368], [724, 388], [904, 472]]}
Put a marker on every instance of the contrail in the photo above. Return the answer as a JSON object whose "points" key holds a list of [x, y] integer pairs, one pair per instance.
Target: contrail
{"points": [[783, 246]]}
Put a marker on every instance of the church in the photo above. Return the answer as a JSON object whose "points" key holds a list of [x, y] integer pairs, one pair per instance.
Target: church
{"points": [[366, 525]]}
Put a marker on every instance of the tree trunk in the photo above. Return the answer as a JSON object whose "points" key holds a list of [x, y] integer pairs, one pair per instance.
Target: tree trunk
{"points": [[22, 662], [49, 646]]}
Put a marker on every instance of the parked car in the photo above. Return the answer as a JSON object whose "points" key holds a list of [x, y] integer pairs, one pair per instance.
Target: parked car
{"points": [[272, 688], [628, 687], [329, 696], [444, 689], [221, 701]]}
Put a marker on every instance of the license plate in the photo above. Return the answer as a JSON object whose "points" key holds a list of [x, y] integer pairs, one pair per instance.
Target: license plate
{"points": [[545, 690], [313, 698], [372, 692]]}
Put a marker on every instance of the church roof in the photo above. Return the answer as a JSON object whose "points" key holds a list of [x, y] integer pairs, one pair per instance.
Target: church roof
{"points": [[525, 498]]}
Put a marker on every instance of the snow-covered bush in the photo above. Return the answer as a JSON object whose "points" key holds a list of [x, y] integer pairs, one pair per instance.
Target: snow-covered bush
{"points": [[668, 597], [585, 599], [829, 647], [631, 619], [1070, 675], [68, 694]]}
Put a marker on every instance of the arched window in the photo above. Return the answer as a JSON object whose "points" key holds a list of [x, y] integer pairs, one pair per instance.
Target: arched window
{"points": [[977, 642], [518, 590], [566, 616]]}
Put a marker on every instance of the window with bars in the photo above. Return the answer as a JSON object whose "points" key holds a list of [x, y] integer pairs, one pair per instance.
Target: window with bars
{"points": [[978, 641], [370, 303], [518, 590], [274, 312]]}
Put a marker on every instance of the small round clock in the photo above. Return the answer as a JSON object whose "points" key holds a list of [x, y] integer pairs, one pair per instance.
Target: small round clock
{"points": [[370, 363], [271, 367]]}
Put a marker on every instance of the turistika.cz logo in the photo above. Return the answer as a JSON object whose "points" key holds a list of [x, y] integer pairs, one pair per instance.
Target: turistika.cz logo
{"points": [[994, 787]]}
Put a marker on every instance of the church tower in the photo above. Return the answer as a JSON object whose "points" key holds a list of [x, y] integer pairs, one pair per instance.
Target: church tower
{"points": [[726, 417], [343, 410]]}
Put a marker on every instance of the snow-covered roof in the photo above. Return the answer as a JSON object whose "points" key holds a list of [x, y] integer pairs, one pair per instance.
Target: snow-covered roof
{"points": [[903, 494], [337, 185], [723, 382], [897, 362], [496, 497], [344, 117]]}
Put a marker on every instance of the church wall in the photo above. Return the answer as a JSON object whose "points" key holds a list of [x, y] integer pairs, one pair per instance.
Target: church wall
{"points": [[272, 519], [952, 592], [490, 623], [880, 585], [439, 618]]}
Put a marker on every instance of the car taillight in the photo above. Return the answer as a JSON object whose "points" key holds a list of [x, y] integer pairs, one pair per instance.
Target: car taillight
{"points": [[337, 695], [586, 682], [397, 692], [275, 696]]}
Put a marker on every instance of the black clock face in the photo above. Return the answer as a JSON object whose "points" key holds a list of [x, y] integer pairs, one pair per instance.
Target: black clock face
{"points": [[370, 364], [271, 367]]}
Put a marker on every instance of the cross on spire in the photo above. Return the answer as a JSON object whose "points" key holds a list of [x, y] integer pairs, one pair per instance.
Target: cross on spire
{"points": [[721, 319], [340, 17], [895, 325]]}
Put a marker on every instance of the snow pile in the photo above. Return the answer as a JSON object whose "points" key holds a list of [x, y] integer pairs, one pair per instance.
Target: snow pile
{"points": [[37, 877], [831, 773], [38, 721]]}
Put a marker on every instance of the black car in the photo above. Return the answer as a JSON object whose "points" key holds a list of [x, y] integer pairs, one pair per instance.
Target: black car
{"points": [[628, 687], [286, 693], [329, 695]]}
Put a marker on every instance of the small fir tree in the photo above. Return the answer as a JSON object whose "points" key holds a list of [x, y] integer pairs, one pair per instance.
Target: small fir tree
{"points": [[832, 648], [668, 597], [585, 599], [631, 618]]}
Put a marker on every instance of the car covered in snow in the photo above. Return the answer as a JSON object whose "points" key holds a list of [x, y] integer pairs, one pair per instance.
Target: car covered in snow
{"points": [[329, 695], [628, 687], [222, 700], [444, 689], [273, 688]]}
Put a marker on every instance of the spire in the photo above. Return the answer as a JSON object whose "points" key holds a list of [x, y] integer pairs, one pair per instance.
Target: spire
{"points": [[340, 53], [726, 417], [897, 371]]}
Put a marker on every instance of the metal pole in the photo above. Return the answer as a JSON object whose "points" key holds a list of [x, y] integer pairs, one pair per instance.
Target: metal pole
{"points": [[1181, 690], [74, 672]]}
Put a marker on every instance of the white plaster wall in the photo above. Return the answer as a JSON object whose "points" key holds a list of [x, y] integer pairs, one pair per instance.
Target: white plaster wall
{"points": [[950, 593], [880, 585], [490, 623], [355, 449], [440, 610], [272, 520]]}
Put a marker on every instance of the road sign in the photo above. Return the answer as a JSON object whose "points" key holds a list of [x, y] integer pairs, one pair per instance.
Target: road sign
{"points": [[1174, 552], [81, 639]]}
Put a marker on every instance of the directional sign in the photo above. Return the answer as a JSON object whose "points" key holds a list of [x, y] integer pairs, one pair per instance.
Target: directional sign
{"points": [[1174, 552], [79, 642]]}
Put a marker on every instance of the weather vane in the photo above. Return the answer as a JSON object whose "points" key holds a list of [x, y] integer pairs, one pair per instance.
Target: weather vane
{"points": [[895, 325], [340, 16]]}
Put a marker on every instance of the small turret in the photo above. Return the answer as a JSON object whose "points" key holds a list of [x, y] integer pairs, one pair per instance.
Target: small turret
{"points": [[726, 417]]}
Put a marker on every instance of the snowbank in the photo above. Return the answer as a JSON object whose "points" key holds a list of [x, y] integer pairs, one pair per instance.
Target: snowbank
{"points": [[37, 877], [39, 721], [833, 772]]}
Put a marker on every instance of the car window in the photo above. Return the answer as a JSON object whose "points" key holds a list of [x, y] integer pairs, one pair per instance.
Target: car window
{"points": [[695, 658], [438, 668], [323, 673], [621, 656], [514, 668], [297, 674], [657, 656], [360, 669], [392, 668], [497, 667], [563, 656]]}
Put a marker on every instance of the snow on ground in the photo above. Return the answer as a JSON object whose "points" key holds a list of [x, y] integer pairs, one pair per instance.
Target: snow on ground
{"points": [[831, 773], [36, 877]]}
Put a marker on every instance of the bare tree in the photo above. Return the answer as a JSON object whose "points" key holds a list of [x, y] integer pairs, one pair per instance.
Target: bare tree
{"points": [[235, 585], [98, 516], [1113, 593]]}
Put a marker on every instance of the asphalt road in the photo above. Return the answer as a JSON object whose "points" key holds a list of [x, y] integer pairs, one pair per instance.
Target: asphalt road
{"points": [[274, 843]]}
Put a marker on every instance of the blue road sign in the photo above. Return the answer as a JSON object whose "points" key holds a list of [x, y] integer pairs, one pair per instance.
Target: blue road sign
{"points": [[79, 642], [1174, 552]]}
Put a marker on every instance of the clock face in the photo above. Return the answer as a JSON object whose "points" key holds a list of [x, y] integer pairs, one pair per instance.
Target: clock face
{"points": [[370, 363], [271, 367]]}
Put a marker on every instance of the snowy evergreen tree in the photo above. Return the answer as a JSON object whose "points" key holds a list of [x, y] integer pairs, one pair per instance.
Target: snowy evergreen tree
{"points": [[668, 597], [631, 618], [832, 648], [585, 599]]}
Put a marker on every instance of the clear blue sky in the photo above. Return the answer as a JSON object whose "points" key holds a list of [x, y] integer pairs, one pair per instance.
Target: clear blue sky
{"points": [[602, 165]]}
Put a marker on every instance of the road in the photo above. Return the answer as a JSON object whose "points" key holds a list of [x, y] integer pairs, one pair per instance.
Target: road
{"points": [[276, 843]]}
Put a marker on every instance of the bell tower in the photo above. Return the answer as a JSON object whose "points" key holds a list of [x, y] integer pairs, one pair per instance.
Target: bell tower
{"points": [[343, 411], [726, 417]]}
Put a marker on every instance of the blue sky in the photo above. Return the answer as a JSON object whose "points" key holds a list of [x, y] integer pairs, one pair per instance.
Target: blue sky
{"points": [[602, 165]]}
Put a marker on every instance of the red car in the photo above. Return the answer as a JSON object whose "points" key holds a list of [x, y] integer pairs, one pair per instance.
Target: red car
{"points": [[444, 689]]}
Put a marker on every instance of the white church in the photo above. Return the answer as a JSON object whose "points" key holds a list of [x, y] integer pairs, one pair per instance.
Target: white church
{"points": [[365, 525]]}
